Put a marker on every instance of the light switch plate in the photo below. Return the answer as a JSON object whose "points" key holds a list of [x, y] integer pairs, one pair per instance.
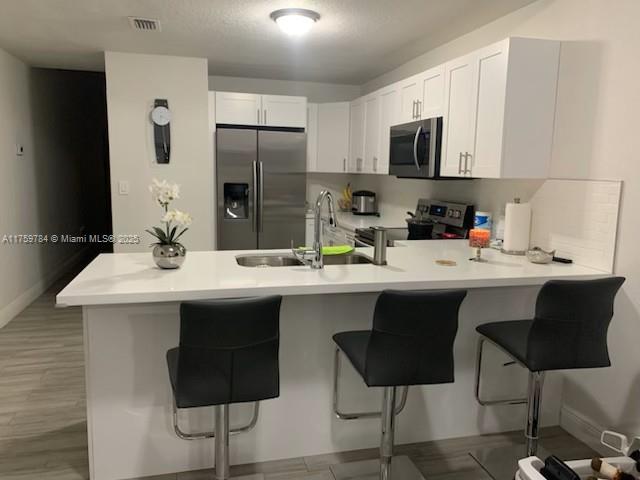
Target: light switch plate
{"points": [[123, 187]]}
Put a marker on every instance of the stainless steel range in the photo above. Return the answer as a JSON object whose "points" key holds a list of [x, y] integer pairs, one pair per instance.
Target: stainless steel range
{"points": [[432, 220], [448, 220]]}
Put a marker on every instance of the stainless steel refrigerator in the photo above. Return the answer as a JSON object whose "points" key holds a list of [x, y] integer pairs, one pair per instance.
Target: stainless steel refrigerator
{"points": [[261, 188]]}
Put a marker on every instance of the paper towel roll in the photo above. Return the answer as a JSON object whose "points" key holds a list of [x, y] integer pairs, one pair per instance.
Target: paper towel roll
{"points": [[517, 226]]}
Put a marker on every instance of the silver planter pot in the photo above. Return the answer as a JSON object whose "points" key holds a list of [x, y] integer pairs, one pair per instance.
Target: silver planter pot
{"points": [[169, 256]]}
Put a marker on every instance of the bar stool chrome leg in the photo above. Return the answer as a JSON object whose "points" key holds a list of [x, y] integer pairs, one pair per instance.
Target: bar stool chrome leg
{"points": [[388, 431], [221, 413], [536, 380]]}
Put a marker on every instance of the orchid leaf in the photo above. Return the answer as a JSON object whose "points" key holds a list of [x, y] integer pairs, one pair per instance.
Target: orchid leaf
{"points": [[160, 235], [180, 234]]}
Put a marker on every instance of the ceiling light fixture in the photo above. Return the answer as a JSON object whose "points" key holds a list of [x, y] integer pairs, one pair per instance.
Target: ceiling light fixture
{"points": [[295, 21]]}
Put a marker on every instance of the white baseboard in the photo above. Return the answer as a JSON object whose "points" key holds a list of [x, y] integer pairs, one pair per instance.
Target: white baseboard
{"points": [[583, 429], [10, 311]]}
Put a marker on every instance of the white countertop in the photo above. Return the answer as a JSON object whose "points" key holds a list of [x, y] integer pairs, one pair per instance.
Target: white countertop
{"points": [[133, 278]]}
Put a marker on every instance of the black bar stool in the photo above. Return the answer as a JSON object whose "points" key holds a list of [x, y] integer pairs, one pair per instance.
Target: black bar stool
{"points": [[228, 354], [411, 343], [569, 331]]}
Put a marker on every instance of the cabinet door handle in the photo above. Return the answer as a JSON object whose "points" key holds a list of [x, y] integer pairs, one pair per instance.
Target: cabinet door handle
{"points": [[344, 164], [418, 109], [375, 164], [265, 116], [466, 160], [258, 117], [413, 110], [359, 164], [460, 163]]}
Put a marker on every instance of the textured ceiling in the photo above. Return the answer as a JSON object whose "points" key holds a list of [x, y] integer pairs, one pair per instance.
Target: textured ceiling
{"points": [[354, 41]]}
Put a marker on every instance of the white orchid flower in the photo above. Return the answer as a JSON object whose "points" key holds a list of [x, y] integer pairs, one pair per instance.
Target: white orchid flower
{"points": [[169, 217], [163, 192], [182, 218]]}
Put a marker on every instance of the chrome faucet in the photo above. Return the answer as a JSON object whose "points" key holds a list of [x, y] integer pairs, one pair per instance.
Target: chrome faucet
{"points": [[316, 252]]}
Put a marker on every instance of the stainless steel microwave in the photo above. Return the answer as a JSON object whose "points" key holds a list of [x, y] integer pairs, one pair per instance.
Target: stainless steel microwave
{"points": [[415, 149]]}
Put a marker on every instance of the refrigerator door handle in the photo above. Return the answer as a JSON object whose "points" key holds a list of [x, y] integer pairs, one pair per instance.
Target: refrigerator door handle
{"points": [[254, 223], [261, 200]]}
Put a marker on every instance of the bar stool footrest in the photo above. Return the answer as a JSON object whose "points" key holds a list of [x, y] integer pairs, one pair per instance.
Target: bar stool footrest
{"points": [[402, 468]]}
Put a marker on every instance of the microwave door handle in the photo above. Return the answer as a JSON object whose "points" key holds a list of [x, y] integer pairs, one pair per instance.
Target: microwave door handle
{"points": [[432, 147], [415, 147]]}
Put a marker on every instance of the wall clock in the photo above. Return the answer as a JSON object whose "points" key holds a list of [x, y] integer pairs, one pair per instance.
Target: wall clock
{"points": [[161, 118]]}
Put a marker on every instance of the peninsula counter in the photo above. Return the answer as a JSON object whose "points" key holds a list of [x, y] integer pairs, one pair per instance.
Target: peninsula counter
{"points": [[130, 315]]}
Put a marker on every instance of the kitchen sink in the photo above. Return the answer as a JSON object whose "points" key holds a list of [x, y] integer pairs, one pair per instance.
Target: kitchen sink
{"points": [[268, 261], [257, 260], [348, 259]]}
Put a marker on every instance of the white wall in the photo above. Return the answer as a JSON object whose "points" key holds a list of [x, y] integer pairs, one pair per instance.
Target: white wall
{"points": [[40, 191], [314, 91], [596, 136], [133, 82]]}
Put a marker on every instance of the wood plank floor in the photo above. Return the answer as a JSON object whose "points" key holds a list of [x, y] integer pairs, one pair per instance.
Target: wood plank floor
{"points": [[43, 424]]}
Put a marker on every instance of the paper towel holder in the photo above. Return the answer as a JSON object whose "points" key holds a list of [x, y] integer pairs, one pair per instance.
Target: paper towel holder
{"points": [[514, 252]]}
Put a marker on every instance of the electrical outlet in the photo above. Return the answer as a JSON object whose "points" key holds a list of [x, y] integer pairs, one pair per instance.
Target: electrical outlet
{"points": [[123, 187]]}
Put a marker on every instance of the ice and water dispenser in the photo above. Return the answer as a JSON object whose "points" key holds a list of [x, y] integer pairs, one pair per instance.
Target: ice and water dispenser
{"points": [[236, 201]]}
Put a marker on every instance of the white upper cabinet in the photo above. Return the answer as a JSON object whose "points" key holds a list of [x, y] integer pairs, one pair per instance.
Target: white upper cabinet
{"points": [[497, 103], [421, 96], [284, 111], [371, 133], [487, 132], [356, 136], [410, 93], [431, 104], [333, 137], [389, 115], [500, 110], [238, 108], [459, 93], [269, 110]]}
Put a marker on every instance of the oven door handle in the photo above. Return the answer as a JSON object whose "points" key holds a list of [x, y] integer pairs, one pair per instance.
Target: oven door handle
{"points": [[415, 147]]}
